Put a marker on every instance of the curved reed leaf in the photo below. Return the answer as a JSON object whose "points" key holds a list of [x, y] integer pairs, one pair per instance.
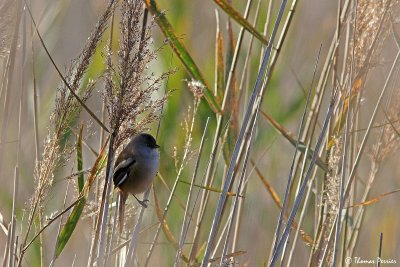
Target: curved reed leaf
{"points": [[209, 188], [219, 63], [76, 213], [339, 123], [374, 200], [182, 53], [166, 229], [70, 225], [225, 6], [231, 108], [306, 237], [289, 136], [79, 159]]}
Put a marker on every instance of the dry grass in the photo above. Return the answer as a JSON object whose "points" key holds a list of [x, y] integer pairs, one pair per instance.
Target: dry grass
{"points": [[329, 181]]}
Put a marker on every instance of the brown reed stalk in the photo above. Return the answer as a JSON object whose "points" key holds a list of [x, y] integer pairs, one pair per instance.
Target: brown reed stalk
{"points": [[128, 95], [66, 108]]}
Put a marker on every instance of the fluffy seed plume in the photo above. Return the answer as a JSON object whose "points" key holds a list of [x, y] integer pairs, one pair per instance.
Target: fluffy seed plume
{"points": [[129, 86], [66, 108]]}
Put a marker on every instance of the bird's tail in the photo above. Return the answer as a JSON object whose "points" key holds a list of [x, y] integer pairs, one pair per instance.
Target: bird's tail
{"points": [[121, 209]]}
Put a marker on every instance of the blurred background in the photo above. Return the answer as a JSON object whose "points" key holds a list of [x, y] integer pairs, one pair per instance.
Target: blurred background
{"points": [[65, 27]]}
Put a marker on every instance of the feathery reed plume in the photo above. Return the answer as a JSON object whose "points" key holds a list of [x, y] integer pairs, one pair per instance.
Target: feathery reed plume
{"points": [[330, 197], [370, 26], [389, 140], [129, 87], [370, 31], [67, 107], [387, 143], [197, 88], [367, 29], [128, 95]]}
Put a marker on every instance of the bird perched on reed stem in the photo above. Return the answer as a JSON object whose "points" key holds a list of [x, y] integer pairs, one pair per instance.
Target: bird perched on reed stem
{"points": [[135, 168]]}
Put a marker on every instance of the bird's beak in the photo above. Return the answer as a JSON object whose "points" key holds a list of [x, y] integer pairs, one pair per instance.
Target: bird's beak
{"points": [[157, 146]]}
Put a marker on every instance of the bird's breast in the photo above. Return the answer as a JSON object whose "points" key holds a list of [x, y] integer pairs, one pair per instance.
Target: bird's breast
{"points": [[141, 174]]}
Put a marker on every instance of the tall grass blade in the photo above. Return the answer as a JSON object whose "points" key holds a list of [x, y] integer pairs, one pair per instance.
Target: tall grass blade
{"points": [[80, 160], [234, 14], [76, 213], [166, 229], [246, 121], [219, 61], [302, 147], [182, 53]]}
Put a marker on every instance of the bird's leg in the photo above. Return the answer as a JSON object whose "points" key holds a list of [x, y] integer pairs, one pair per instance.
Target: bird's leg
{"points": [[142, 202]]}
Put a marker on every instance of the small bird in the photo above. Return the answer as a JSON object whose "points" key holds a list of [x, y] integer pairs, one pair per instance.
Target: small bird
{"points": [[135, 168]]}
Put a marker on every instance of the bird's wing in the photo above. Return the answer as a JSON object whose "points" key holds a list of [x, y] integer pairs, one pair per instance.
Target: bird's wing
{"points": [[120, 171]]}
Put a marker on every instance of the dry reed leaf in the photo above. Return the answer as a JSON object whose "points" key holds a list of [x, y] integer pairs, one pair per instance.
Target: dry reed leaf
{"points": [[306, 237], [373, 200], [166, 229]]}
